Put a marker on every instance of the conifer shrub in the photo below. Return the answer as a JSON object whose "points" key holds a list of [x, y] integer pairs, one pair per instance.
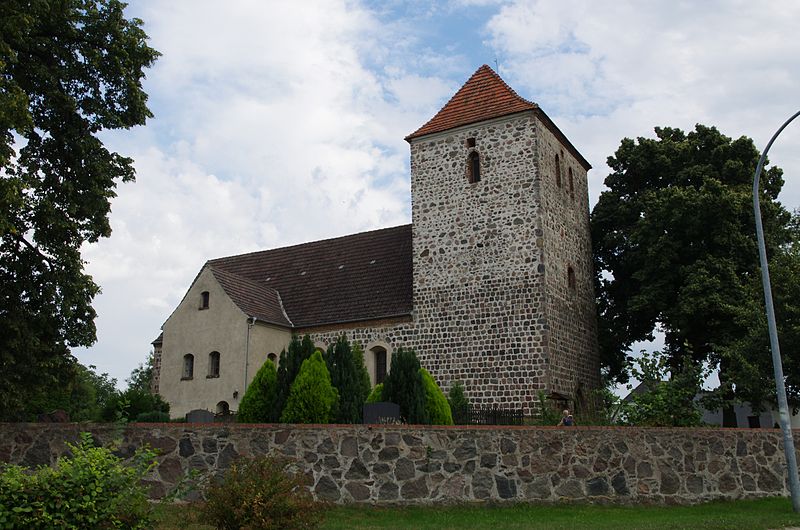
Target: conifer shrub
{"points": [[459, 404], [376, 396], [258, 403], [91, 488], [350, 377], [260, 493], [291, 359], [404, 386], [312, 398], [436, 405]]}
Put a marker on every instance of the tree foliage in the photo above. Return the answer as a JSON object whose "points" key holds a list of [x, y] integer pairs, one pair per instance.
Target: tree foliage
{"points": [[258, 403], [668, 400], [83, 394], [350, 377], [68, 71], [312, 398], [675, 250], [436, 406], [289, 363], [376, 395], [404, 386]]}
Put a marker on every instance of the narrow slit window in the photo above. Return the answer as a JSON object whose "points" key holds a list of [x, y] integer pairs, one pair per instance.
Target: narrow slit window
{"points": [[558, 170], [188, 366], [213, 364], [571, 184], [474, 167], [204, 300], [380, 364], [571, 278]]}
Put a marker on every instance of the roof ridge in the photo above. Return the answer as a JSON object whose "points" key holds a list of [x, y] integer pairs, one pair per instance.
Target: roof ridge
{"points": [[214, 261]]}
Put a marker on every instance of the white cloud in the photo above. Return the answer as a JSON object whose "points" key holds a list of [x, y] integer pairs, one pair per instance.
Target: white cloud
{"points": [[269, 131], [604, 70]]}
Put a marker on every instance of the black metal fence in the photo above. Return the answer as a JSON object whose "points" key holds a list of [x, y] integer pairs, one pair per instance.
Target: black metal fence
{"points": [[488, 415]]}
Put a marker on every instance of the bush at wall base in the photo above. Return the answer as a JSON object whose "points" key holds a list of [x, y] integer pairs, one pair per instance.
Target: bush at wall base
{"points": [[90, 489], [261, 493], [436, 405]]}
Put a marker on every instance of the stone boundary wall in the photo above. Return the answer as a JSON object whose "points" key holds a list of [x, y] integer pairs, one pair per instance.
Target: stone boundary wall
{"points": [[423, 465]]}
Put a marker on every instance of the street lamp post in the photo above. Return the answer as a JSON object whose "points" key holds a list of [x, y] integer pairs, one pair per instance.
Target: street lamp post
{"points": [[783, 407]]}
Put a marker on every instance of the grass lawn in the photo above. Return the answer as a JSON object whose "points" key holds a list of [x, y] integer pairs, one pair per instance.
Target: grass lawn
{"points": [[770, 513]]}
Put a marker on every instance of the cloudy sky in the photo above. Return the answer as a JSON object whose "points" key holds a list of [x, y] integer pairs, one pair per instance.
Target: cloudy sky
{"points": [[283, 122]]}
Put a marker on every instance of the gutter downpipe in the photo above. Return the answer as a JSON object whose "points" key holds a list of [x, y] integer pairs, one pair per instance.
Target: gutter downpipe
{"points": [[783, 406], [250, 323]]}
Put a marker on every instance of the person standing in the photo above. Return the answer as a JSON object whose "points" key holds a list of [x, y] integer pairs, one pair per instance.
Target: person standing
{"points": [[566, 419]]}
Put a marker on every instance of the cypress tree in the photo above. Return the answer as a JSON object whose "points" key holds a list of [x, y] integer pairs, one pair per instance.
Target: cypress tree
{"points": [[350, 377], [291, 360], [258, 403], [312, 399], [404, 387]]}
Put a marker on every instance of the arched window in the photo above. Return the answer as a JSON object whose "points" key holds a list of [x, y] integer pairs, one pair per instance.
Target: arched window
{"points": [[571, 183], [204, 300], [379, 355], [571, 277], [558, 170], [213, 364], [274, 358], [473, 167], [223, 409], [188, 366]]}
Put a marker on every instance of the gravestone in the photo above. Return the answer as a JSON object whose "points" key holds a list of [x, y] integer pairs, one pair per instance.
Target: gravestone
{"points": [[382, 412]]}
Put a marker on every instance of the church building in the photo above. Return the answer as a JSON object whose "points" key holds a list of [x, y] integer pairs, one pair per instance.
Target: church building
{"points": [[491, 284]]}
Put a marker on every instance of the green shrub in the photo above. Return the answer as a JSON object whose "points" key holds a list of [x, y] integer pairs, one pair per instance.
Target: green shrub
{"points": [[260, 493], [350, 377], [436, 405], [376, 396], [153, 417], [459, 404], [549, 414], [312, 399], [90, 489], [404, 387], [128, 405], [258, 403]]}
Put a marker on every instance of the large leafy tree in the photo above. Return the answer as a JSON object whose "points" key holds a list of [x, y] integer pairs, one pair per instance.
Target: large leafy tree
{"points": [[675, 250], [69, 69]]}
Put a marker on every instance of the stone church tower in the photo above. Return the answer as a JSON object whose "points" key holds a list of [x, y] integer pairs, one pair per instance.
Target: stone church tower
{"points": [[502, 273], [491, 284]]}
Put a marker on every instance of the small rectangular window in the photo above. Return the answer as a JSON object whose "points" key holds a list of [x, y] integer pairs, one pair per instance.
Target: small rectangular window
{"points": [[204, 300]]}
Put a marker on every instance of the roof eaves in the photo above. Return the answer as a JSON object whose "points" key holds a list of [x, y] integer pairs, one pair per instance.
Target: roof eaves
{"points": [[553, 128]]}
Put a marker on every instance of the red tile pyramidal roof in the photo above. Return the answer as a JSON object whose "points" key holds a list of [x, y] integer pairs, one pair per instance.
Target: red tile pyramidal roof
{"points": [[484, 96]]}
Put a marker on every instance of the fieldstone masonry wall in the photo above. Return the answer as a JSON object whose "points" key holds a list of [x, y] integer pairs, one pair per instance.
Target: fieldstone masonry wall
{"points": [[477, 252], [422, 465]]}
